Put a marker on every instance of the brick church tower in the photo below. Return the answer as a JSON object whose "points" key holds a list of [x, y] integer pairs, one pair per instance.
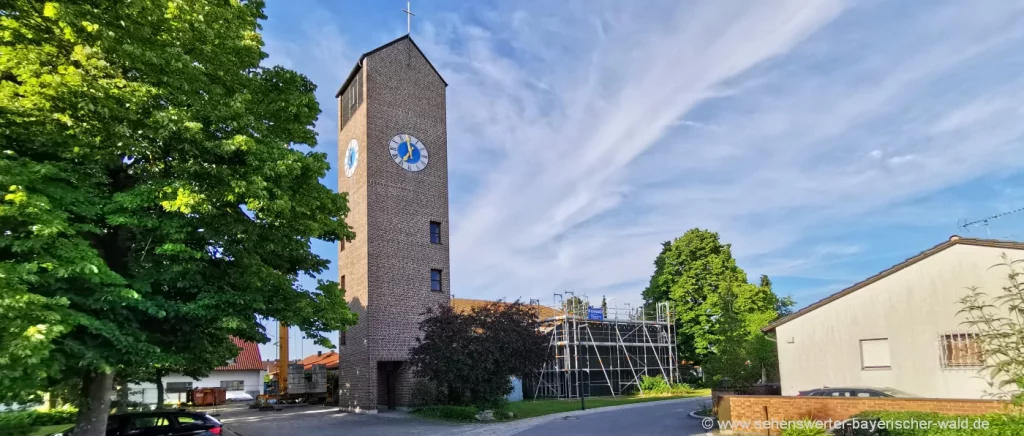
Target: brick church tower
{"points": [[394, 166]]}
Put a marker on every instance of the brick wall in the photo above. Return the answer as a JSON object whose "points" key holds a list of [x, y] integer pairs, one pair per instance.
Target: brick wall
{"points": [[777, 408], [357, 382], [387, 266]]}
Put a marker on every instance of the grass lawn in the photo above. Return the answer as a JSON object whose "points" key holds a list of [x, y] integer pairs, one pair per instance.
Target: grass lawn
{"points": [[49, 429], [530, 408]]}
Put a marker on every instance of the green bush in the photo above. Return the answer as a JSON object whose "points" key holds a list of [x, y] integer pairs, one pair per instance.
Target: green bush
{"points": [[998, 424], [425, 393], [805, 428], [21, 422], [449, 413], [658, 386], [15, 423]]}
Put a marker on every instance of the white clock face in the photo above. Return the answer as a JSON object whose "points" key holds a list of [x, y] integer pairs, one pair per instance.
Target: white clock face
{"points": [[351, 157], [408, 152]]}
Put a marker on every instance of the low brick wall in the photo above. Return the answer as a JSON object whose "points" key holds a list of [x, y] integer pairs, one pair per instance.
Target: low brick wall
{"points": [[757, 408], [718, 393]]}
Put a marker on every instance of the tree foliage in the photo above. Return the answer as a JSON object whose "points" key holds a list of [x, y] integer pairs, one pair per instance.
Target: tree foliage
{"points": [[997, 324], [473, 355], [784, 305], [575, 306], [718, 313], [155, 200]]}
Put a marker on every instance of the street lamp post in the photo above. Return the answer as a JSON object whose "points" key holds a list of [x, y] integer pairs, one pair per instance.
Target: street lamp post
{"points": [[579, 378]]}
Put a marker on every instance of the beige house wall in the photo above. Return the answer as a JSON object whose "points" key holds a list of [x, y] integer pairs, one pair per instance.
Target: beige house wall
{"points": [[911, 308]]}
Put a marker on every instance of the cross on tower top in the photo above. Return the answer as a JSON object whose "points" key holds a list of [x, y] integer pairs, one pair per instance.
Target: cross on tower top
{"points": [[408, 17]]}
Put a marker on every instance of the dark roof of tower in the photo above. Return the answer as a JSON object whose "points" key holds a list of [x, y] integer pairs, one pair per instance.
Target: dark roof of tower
{"points": [[355, 68]]}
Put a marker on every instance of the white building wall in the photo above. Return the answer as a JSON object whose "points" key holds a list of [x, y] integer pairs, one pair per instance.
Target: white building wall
{"points": [[911, 308], [146, 392]]}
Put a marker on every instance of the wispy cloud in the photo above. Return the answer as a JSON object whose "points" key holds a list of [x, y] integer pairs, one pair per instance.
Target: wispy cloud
{"points": [[576, 182], [583, 134]]}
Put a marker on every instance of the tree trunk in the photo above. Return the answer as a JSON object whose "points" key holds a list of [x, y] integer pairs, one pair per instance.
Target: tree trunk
{"points": [[92, 416], [122, 396], [159, 390]]}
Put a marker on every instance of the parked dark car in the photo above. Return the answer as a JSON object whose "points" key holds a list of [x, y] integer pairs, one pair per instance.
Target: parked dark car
{"points": [[159, 423], [854, 392]]}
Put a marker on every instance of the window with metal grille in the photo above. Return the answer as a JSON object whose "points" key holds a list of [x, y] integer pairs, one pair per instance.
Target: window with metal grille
{"points": [[435, 232], [435, 280], [175, 387], [351, 98], [960, 350], [233, 385]]}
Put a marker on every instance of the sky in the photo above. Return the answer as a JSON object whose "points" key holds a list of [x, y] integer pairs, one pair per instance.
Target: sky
{"points": [[824, 140]]}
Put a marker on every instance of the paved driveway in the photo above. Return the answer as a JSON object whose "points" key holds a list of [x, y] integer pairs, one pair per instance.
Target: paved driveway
{"points": [[323, 421], [654, 418]]}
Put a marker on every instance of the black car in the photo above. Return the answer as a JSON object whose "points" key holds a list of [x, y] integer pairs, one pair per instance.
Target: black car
{"points": [[854, 392], [160, 423]]}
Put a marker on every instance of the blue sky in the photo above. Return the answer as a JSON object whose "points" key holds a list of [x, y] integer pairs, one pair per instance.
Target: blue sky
{"points": [[824, 140]]}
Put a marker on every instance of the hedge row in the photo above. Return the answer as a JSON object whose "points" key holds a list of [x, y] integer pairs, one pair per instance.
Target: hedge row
{"points": [[930, 423], [21, 422], [924, 423], [449, 413]]}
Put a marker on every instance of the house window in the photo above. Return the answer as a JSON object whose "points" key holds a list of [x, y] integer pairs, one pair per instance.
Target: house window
{"points": [[342, 338], [233, 385], [435, 232], [176, 387], [874, 354], [342, 246], [341, 282], [435, 280], [961, 350]]}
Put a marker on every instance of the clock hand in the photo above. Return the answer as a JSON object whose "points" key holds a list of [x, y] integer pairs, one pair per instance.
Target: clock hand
{"points": [[408, 149]]}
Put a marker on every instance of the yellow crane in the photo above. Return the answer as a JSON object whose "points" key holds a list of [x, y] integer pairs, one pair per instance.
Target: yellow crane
{"points": [[282, 360]]}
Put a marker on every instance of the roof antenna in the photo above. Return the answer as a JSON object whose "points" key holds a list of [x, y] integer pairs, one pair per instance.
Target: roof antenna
{"points": [[984, 221]]}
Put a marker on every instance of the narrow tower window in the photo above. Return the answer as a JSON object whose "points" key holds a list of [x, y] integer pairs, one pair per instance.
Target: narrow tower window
{"points": [[435, 232], [435, 280]]}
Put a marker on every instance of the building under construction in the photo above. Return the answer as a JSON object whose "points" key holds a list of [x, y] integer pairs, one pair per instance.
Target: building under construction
{"points": [[597, 352]]}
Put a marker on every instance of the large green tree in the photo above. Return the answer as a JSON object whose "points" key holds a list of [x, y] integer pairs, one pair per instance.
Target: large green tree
{"points": [[718, 313], [692, 272], [153, 176]]}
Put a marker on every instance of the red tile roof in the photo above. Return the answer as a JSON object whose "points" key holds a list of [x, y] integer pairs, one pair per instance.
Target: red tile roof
{"points": [[248, 358], [465, 305], [329, 358]]}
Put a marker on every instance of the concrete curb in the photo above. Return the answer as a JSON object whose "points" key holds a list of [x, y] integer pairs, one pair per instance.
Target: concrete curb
{"points": [[694, 415]]}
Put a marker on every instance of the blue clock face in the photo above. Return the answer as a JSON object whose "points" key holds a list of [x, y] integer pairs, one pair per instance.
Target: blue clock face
{"points": [[408, 152], [351, 157]]}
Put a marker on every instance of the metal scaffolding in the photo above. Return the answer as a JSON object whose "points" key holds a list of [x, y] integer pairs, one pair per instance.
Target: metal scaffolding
{"points": [[605, 357]]}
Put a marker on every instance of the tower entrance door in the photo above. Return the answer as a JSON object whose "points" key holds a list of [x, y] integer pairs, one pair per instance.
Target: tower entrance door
{"points": [[387, 382]]}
